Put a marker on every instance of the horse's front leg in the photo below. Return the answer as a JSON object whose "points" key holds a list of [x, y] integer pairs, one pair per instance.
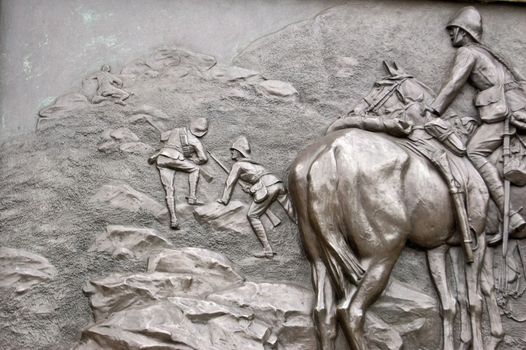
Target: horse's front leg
{"points": [[436, 260], [487, 283], [473, 277]]}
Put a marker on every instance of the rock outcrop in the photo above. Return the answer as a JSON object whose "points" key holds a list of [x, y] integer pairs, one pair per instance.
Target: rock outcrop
{"points": [[21, 270]]}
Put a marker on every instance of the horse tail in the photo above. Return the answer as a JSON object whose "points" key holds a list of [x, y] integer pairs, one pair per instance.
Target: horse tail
{"points": [[328, 213]]}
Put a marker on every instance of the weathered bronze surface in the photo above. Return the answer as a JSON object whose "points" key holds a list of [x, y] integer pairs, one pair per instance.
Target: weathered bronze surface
{"points": [[345, 199]]}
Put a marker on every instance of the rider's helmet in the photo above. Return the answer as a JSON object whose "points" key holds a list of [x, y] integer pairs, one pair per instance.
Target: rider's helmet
{"points": [[242, 145], [199, 126], [468, 19]]}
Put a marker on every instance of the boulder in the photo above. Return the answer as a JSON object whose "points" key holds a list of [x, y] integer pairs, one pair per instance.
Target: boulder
{"points": [[231, 217], [123, 134], [130, 241], [215, 267], [177, 324], [63, 105], [125, 197], [276, 88], [21, 270], [121, 291]]}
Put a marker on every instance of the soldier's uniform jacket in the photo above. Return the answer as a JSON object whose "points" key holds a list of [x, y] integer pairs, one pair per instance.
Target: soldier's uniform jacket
{"points": [[181, 144], [252, 173], [499, 93]]}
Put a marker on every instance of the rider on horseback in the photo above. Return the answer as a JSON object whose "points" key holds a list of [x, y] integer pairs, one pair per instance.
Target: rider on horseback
{"points": [[499, 97]]}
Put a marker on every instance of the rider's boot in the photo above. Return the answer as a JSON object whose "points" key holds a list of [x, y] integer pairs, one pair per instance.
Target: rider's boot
{"points": [[261, 234], [492, 179], [193, 179], [517, 231], [442, 162]]}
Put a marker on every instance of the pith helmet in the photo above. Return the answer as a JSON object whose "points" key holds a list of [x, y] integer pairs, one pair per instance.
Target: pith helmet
{"points": [[469, 19], [199, 126], [242, 145]]}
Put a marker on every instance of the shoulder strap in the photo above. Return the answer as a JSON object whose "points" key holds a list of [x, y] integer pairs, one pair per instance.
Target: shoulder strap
{"points": [[516, 74]]}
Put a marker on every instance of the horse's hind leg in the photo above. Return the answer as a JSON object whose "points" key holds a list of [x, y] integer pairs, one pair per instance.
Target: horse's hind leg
{"points": [[487, 284], [436, 259], [473, 275], [373, 283], [325, 307]]}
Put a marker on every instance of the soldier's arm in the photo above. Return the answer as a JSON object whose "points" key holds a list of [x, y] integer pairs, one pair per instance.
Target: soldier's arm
{"points": [[233, 176], [117, 81], [200, 152], [165, 135], [460, 72]]}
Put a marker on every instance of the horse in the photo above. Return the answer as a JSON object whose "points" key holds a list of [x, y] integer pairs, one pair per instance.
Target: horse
{"points": [[361, 197]]}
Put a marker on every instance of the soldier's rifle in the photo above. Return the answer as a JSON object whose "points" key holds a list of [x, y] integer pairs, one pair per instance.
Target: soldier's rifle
{"points": [[275, 221]]}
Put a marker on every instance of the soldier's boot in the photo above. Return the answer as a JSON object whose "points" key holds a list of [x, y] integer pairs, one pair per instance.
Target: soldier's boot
{"points": [[492, 179], [286, 204], [455, 189], [170, 202], [261, 234], [193, 179]]}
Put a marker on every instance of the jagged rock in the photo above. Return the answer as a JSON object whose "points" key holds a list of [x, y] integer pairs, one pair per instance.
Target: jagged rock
{"points": [[125, 197], [63, 105], [407, 310], [382, 336], [21, 270], [233, 73], [108, 146], [276, 88], [133, 241], [120, 291], [218, 270], [136, 148], [231, 217], [172, 325], [286, 307]]}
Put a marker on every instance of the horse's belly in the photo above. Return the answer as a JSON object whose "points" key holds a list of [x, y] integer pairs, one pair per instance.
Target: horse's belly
{"points": [[429, 202]]}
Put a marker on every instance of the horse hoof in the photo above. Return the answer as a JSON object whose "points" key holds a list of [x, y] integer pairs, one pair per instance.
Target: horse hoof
{"points": [[175, 226]]}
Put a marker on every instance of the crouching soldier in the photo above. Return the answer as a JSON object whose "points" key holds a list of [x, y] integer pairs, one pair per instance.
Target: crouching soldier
{"points": [[182, 151], [264, 187]]}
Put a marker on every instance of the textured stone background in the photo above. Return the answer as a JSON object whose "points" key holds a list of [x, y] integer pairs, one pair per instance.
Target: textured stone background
{"points": [[48, 179], [46, 46]]}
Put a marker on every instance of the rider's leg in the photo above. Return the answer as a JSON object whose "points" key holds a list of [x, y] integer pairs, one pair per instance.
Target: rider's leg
{"points": [[484, 142]]}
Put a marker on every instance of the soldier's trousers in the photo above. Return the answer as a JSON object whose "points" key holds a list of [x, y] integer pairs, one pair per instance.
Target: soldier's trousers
{"points": [[487, 138], [256, 210]]}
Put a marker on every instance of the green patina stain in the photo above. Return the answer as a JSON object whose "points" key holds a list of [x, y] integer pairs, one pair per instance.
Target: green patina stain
{"points": [[46, 102]]}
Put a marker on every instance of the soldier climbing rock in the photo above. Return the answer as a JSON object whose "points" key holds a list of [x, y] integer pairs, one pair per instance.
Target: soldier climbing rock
{"points": [[265, 189], [182, 151]]}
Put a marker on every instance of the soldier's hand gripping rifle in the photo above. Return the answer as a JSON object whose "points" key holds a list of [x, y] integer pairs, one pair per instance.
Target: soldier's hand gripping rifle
{"points": [[246, 188]]}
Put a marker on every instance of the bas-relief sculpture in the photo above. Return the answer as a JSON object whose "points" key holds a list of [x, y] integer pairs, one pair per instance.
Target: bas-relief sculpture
{"points": [[401, 169]]}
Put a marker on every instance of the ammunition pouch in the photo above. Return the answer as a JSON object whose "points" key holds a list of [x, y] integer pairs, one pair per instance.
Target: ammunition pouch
{"points": [[491, 104]]}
